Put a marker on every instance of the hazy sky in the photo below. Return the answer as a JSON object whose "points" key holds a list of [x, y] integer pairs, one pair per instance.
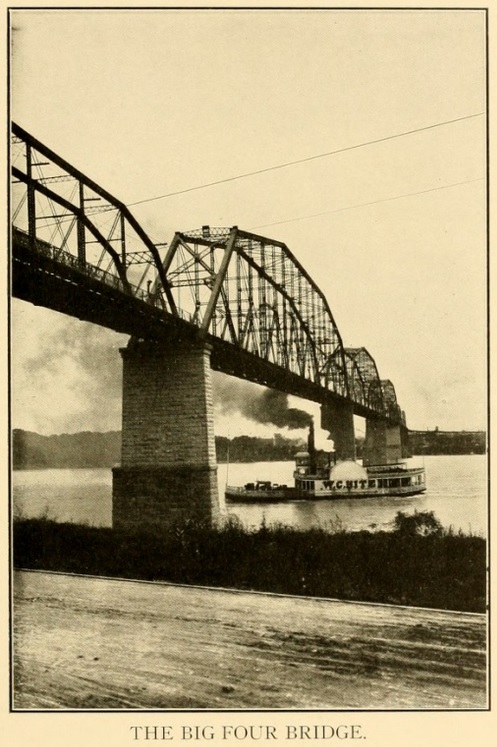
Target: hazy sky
{"points": [[152, 102]]}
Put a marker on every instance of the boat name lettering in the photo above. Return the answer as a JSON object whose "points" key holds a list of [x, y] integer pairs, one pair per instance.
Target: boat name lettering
{"points": [[345, 484]]}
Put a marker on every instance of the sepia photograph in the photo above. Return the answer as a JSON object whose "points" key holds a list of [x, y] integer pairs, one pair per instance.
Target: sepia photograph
{"points": [[248, 380]]}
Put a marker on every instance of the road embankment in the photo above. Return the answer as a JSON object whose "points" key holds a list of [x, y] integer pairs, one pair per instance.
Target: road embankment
{"points": [[98, 643]]}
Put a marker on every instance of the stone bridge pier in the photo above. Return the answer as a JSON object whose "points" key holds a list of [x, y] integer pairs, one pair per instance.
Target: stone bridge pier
{"points": [[338, 419], [168, 461], [385, 443]]}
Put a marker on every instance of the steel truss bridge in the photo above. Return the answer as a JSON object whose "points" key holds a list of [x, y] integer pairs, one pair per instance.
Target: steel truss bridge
{"points": [[78, 250]]}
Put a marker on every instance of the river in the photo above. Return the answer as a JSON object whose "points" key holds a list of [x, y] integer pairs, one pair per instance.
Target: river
{"points": [[456, 492]]}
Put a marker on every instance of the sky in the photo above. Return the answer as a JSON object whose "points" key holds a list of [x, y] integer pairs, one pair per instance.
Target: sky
{"points": [[394, 232]]}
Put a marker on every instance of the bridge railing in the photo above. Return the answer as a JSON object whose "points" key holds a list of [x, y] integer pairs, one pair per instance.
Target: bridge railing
{"points": [[60, 256]]}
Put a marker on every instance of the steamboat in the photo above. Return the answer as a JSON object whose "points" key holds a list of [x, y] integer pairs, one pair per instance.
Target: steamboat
{"points": [[317, 476]]}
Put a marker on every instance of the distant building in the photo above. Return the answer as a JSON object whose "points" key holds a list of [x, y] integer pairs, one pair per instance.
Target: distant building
{"points": [[448, 442]]}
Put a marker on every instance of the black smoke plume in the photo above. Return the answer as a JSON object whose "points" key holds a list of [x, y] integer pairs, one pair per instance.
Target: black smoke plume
{"points": [[266, 406], [272, 407]]}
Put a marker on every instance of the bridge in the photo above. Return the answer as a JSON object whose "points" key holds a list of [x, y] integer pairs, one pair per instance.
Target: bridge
{"points": [[220, 298]]}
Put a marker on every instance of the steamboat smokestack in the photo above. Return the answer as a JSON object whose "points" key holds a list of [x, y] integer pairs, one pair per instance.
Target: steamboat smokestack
{"points": [[311, 448]]}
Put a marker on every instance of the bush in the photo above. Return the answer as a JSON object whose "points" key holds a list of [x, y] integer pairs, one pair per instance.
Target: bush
{"points": [[422, 523]]}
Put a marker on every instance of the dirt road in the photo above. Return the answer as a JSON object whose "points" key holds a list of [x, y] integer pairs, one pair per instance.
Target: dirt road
{"points": [[102, 644]]}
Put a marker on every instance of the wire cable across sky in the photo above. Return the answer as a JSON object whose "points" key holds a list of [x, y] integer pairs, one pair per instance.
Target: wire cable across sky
{"points": [[365, 204], [306, 160]]}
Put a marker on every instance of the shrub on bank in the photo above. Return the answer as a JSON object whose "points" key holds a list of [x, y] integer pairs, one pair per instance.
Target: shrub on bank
{"points": [[418, 563]]}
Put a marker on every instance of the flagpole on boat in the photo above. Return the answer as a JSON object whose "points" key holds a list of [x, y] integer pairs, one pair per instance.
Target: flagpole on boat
{"points": [[227, 458]]}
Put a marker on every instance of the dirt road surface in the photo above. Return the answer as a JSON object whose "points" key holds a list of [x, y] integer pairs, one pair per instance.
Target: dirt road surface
{"points": [[90, 643]]}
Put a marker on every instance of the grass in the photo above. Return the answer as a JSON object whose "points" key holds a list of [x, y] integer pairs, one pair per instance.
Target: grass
{"points": [[418, 563]]}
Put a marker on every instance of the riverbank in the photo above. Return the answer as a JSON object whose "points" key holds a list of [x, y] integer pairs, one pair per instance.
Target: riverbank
{"points": [[417, 564]]}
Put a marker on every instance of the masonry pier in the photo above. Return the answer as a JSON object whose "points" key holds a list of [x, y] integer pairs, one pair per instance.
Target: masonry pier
{"points": [[384, 443], [168, 461], [338, 419]]}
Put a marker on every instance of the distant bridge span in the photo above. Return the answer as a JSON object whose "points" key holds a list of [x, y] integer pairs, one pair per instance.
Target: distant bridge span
{"points": [[78, 250]]}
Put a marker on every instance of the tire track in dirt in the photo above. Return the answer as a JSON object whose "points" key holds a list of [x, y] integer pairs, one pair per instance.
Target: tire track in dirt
{"points": [[96, 643]]}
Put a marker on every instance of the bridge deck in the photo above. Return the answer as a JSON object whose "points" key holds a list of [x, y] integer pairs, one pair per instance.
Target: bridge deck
{"points": [[95, 643]]}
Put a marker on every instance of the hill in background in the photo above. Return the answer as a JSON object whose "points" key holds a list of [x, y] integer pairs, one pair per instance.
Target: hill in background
{"points": [[69, 450], [89, 449]]}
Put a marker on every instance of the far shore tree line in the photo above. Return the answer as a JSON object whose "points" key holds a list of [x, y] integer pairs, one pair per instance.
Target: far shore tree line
{"points": [[89, 449]]}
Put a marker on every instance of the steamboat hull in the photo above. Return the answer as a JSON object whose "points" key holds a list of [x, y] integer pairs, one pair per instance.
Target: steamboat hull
{"points": [[345, 481], [240, 495]]}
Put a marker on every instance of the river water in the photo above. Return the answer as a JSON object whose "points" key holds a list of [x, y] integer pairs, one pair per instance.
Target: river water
{"points": [[456, 492]]}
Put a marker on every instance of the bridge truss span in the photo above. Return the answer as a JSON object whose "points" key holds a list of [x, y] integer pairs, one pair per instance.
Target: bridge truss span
{"points": [[251, 291], [56, 205], [79, 250], [364, 380]]}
